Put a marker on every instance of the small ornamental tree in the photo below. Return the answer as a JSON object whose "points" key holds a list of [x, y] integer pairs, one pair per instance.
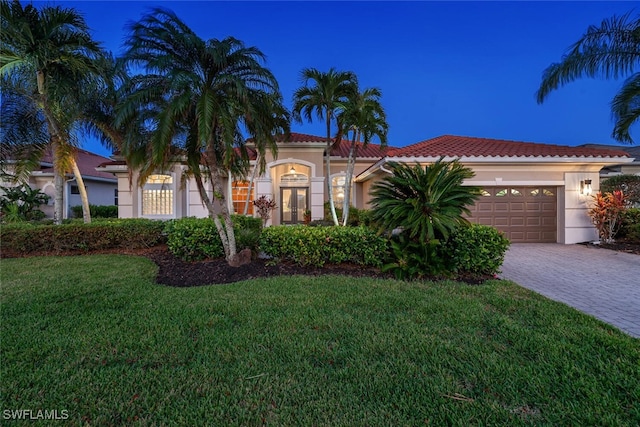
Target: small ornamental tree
{"points": [[606, 214], [264, 206]]}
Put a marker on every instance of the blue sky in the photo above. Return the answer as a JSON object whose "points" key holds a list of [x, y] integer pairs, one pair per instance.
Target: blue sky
{"points": [[461, 68]]}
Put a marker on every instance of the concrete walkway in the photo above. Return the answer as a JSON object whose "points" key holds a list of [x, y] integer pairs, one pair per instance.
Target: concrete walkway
{"points": [[599, 282]]}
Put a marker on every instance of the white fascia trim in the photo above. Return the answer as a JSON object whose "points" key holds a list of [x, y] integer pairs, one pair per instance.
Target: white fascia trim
{"points": [[100, 179], [512, 183], [113, 168]]}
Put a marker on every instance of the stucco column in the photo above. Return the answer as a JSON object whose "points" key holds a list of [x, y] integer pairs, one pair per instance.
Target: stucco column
{"points": [[317, 198], [577, 224]]}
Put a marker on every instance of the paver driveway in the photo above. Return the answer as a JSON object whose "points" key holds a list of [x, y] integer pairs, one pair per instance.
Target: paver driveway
{"points": [[599, 282]]}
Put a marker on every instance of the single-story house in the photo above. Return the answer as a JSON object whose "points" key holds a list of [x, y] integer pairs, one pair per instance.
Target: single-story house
{"points": [[102, 187], [632, 168], [533, 192]]}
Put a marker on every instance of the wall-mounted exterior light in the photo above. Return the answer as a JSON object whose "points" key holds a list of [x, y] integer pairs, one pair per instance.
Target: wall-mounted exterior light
{"points": [[585, 187]]}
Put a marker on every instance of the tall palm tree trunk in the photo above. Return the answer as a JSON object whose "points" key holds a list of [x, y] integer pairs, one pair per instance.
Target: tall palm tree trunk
{"points": [[327, 161], [86, 212], [58, 197], [351, 162], [250, 186]]}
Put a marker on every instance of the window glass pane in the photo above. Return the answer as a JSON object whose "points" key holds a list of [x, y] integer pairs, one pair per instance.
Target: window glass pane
{"points": [[534, 192], [239, 191], [501, 193], [548, 192], [338, 184], [485, 193], [515, 192], [157, 195]]}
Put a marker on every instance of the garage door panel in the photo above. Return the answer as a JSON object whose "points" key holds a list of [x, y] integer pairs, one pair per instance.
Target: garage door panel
{"points": [[534, 206], [524, 214], [516, 207], [516, 221], [534, 221], [501, 207]]}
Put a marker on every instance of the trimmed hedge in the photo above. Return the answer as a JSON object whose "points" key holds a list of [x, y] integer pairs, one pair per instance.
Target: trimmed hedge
{"points": [[25, 238], [630, 228], [194, 239], [317, 246], [477, 249], [97, 211]]}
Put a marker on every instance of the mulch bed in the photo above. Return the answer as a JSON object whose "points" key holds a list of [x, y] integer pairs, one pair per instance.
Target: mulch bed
{"points": [[173, 271]]}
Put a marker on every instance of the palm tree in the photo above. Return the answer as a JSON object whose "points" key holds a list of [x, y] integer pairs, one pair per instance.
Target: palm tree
{"points": [[44, 54], [426, 202], [425, 205], [324, 94], [364, 117], [611, 50], [197, 96]]}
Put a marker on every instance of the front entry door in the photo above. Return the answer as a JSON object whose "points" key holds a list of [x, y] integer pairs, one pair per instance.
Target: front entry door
{"points": [[294, 204]]}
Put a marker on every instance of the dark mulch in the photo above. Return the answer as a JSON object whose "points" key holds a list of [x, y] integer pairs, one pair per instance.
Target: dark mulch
{"points": [[174, 272], [620, 246]]}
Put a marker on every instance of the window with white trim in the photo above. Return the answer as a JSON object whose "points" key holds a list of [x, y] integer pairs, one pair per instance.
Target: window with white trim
{"points": [[338, 186], [157, 195]]}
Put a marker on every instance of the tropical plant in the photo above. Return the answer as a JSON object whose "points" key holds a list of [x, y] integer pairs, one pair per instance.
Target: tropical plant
{"points": [[195, 97], [264, 206], [22, 203], [44, 55], [606, 214], [611, 50], [361, 115], [324, 93], [423, 206]]}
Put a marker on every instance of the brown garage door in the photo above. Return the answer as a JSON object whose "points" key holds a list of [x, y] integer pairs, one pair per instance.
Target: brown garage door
{"points": [[525, 214]]}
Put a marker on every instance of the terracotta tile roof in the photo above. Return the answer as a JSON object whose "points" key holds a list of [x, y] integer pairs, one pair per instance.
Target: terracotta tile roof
{"points": [[459, 146], [87, 163], [341, 149]]}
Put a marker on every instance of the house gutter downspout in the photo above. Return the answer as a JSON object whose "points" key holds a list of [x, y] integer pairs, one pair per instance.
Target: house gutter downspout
{"points": [[383, 169]]}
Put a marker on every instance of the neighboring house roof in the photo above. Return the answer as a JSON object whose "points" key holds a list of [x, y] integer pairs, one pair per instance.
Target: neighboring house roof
{"points": [[632, 151], [465, 146], [87, 163]]}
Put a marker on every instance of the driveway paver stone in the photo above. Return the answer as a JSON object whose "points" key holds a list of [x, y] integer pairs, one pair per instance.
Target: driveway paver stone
{"points": [[599, 282]]}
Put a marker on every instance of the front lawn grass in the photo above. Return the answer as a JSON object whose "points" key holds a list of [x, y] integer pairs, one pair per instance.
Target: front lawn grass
{"points": [[94, 336]]}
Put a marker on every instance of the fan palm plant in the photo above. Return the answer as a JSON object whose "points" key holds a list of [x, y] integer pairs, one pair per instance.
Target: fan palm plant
{"points": [[44, 55], [611, 50], [324, 94], [196, 98], [363, 116]]}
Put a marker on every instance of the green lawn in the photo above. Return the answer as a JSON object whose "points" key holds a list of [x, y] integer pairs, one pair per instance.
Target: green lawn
{"points": [[95, 337]]}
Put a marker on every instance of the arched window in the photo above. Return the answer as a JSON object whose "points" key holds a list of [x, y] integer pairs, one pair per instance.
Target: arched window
{"points": [[239, 190], [157, 196]]}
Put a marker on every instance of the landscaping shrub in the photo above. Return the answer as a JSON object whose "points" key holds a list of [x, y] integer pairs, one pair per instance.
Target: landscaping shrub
{"points": [[630, 224], [627, 183], [317, 246], [476, 249], [425, 204], [411, 259], [23, 239], [97, 211], [193, 239], [21, 203], [606, 214]]}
